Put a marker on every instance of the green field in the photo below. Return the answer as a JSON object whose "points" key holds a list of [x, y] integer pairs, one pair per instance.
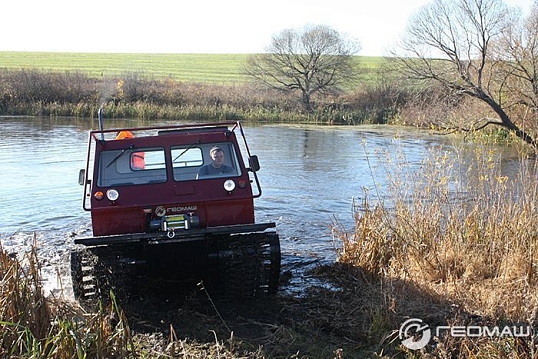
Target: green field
{"points": [[223, 69]]}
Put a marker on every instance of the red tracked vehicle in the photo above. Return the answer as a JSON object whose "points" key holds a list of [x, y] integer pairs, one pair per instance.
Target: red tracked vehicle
{"points": [[164, 210]]}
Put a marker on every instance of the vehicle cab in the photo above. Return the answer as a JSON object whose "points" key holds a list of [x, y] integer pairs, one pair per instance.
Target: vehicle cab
{"points": [[166, 178]]}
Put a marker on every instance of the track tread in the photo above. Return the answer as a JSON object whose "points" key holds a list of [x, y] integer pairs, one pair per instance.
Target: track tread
{"points": [[249, 266], [96, 271]]}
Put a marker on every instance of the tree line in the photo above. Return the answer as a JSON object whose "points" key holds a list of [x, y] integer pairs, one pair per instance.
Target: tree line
{"points": [[135, 95]]}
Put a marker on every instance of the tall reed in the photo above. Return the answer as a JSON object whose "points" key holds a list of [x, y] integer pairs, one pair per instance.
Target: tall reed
{"points": [[33, 326], [24, 315], [464, 230]]}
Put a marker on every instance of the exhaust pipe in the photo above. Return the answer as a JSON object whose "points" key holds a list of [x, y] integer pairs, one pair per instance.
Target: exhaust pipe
{"points": [[101, 123]]}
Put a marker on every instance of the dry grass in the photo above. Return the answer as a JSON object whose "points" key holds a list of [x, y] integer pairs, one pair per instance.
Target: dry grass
{"points": [[35, 326], [464, 233], [32, 325], [162, 326]]}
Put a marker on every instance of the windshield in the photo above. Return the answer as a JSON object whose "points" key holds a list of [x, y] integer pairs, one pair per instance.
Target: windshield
{"points": [[131, 166], [135, 166]]}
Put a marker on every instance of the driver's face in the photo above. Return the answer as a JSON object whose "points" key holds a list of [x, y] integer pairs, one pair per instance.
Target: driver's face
{"points": [[218, 158]]}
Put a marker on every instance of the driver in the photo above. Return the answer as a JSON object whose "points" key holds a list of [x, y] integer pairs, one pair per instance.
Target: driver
{"points": [[217, 165]]}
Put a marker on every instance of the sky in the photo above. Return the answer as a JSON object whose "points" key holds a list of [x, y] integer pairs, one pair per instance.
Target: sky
{"points": [[197, 26]]}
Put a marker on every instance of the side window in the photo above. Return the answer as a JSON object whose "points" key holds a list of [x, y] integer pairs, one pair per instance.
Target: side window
{"points": [[131, 167]]}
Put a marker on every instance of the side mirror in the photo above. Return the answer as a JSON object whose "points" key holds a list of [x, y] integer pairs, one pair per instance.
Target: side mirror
{"points": [[254, 163], [82, 177]]}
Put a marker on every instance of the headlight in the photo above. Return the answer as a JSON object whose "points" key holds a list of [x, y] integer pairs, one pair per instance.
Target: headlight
{"points": [[229, 185], [112, 195]]}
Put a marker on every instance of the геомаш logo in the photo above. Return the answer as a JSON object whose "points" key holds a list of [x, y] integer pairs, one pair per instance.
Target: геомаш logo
{"points": [[415, 334]]}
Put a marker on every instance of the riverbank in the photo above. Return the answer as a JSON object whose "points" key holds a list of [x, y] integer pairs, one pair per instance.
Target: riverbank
{"points": [[455, 247], [321, 323], [39, 93], [35, 92]]}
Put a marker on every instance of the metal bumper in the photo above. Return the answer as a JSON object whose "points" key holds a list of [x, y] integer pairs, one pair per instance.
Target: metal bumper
{"points": [[178, 235]]}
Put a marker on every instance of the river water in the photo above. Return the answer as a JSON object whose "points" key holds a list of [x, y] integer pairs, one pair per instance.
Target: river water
{"points": [[310, 177]]}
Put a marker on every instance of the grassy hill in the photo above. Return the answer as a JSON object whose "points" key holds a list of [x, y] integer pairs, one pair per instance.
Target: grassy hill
{"points": [[221, 69]]}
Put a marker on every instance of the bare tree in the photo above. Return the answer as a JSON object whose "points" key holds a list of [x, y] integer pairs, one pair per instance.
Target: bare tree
{"points": [[314, 59], [456, 43]]}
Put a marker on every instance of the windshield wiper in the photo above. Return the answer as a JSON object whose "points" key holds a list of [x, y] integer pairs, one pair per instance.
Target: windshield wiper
{"points": [[186, 149], [120, 154]]}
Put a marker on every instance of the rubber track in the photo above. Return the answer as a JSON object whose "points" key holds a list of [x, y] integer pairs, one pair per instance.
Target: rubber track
{"points": [[96, 271], [248, 267]]}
